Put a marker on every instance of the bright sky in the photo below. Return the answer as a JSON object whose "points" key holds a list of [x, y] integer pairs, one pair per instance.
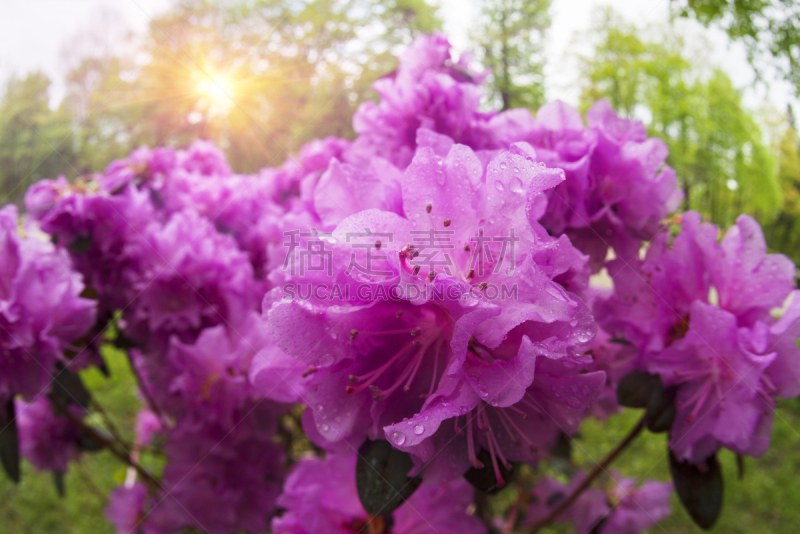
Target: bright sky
{"points": [[33, 34]]}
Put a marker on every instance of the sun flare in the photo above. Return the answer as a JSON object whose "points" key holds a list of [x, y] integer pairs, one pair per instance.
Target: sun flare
{"points": [[218, 89]]}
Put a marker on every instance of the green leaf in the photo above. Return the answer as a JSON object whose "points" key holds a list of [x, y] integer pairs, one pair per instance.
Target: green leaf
{"points": [[484, 478], [9, 441], [382, 477], [635, 388], [68, 389], [89, 444], [699, 489], [661, 409], [58, 481]]}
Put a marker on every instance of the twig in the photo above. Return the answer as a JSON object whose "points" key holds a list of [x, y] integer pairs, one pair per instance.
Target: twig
{"points": [[112, 428], [108, 444], [600, 468]]}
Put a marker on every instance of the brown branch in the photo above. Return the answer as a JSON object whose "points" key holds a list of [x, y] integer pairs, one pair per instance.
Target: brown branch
{"points": [[599, 468], [102, 440], [112, 428]]}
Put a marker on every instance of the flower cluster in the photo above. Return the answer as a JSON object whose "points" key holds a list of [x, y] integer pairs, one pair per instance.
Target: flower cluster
{"points": [[176, 248], [426, 287], [42, 312], [698, 311], [321, 496]]}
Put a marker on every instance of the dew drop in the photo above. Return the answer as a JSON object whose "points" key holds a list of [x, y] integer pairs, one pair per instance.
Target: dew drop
{"points": [[503, 165], [320, 407], [326, 360], [419, 429], [398, 438], [324, 427], [516, 185], [499, 185]]}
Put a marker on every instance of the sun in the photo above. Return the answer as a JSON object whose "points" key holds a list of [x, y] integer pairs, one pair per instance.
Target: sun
{"points": [[219, 89]]}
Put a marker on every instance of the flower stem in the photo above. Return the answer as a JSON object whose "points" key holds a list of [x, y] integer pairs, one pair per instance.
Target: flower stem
{"points": [[599, 468]]}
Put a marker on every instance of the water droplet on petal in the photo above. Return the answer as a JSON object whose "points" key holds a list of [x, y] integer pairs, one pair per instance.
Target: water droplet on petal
{"points": [[499, 185], [324, 427], [516, 185], [419, 429], [398, 438]]}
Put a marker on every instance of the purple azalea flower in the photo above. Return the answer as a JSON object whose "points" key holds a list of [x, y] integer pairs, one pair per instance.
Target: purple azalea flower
{"points": [[320, 496], [47, 440], [616, 192], [623, 509], [699, 313], [125, 508], [41, 311], [433, 355], [724, 397], [221, 479], [428, 90]]}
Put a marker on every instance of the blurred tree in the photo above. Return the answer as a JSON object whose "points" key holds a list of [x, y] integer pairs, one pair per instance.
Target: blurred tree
{"points": [[510, 35], [767, 27], [35, 141], [784, 233], [716, 146], [98, 97], [258, 77]]}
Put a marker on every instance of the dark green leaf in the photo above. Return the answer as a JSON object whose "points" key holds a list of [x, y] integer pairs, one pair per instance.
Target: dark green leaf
{"points": [[635, 388], [89, 444], [661, 409], [68, 389], [81, 245], [700, 490], [740, 466], [484, 478], [382, 477], [563, 448], [58, 480], [9, 441]]}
